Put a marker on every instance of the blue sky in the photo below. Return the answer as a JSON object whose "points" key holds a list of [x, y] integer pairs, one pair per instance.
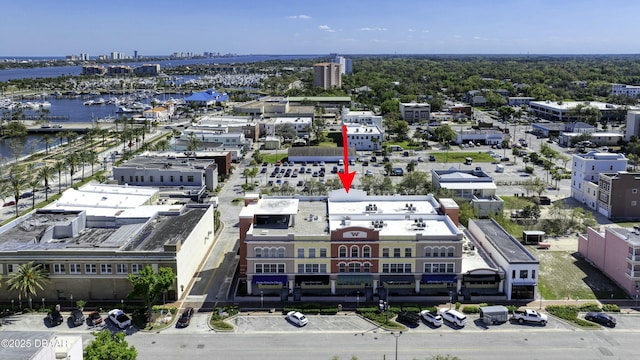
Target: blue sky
{"points": [[159, 27]]}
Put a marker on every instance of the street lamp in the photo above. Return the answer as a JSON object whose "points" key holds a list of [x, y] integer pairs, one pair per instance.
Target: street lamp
{"points": [[396, 335], [30, 303], [71, 299], [450, 298], [358, 299], [261, 299], [11, 304], [122, 303], [43, 304]]}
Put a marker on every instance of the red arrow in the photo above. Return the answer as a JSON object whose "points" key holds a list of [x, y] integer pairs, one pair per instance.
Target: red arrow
{"points": [[346, 177]]}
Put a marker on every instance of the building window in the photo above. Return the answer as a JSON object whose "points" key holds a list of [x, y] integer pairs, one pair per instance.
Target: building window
{"points": [[450, 251], [366, 251], [181, 178], [524, 274], [190, 178], [323, 252], [90, 268], [258, 252], [131, 179], [366, 268], [171, 178], [151, 178], [354, 267], [58, 269], [385, 252], [269, 268], [533, 274], [354, 251], [74, 269], [281, 252], [342, 251], [121, 268], [396, 252], [121, 178], [396, 268], [272, 252], [427, 252], [513, 274], [135, 268], [300, 268], [301, 252], [161, 178], [105, 269], [342, 267], [407, 252], [312, 252]]}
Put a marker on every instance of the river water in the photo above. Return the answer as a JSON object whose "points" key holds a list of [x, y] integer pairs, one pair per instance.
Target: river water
{"points": [[73, 110]]}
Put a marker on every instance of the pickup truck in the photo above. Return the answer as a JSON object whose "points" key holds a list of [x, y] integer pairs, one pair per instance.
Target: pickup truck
{"points": [[531, 316]]}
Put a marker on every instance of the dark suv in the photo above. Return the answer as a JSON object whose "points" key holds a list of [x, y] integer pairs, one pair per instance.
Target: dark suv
{"points": [[185, 318], [77, 317], [55, 318]]}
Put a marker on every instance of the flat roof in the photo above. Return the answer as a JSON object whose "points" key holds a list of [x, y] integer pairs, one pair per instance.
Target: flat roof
{"points": [[509, 247], [568, 105], [151, 161], [100, 199], [630, 235], [147, 228], [468, 185]]}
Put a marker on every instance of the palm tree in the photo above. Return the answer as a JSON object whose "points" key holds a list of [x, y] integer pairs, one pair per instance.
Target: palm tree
{"points": [[47, 139], [45, 174], [28, 279], [16, 184], [34, 184], [162, 145], [72, 161], [59, 166]]}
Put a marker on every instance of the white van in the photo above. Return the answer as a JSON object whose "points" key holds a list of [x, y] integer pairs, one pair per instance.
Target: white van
{"points": [[340, 162], [454, 317], [499, 168]]}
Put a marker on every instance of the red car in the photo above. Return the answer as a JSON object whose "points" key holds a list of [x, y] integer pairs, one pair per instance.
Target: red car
{"points": [[10, 203], [95, 318]]}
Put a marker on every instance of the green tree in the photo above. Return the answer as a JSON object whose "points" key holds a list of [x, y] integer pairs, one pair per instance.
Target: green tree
{"points": [[59, 166], [148, 284], [444, 134], [28, 279], [414, 183], [17, 183], [109, 346], [257, 156]]}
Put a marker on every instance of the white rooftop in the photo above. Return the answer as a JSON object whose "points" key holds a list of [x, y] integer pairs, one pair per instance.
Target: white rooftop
{"points": [[469, 185], [100, 199], [269, 206]]}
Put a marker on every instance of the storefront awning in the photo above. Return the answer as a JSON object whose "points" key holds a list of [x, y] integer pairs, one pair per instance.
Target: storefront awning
{"points": [[484, 278], [324, 279], [439, 279], [270, 279], [355, 279], [397, 279]]}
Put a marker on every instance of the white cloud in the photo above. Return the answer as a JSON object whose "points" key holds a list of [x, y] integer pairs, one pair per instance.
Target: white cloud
{"points": [[303, 17], [326, 28], [373, 29], [479, 38], [457, 36], [425, 31]]}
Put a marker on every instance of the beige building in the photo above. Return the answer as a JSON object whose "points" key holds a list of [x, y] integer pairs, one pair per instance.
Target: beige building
{"points": [[327, 75], [90, 241]]}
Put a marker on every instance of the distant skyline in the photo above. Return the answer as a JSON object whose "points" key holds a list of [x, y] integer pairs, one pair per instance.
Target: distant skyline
{"points": [[160, 27]]}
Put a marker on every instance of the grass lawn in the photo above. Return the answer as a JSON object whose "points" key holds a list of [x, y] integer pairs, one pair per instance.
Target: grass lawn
{"points": [[512, 202], [563, 274], [459, 157], [272, 158]]}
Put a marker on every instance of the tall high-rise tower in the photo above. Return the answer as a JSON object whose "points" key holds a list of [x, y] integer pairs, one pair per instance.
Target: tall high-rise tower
{"points": [[327, 75]]}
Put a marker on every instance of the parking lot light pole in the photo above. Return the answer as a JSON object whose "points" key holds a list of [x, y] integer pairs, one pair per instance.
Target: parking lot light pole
{"points": [[396, 335]]}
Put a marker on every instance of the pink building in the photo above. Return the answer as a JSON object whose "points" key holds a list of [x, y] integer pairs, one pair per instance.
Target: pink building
{"points": [[616, 252]]}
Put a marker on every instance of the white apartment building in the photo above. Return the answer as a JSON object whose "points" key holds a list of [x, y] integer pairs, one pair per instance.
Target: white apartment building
{"points": [[586, 168], [364, 137], [627, 90], [302, 125]]}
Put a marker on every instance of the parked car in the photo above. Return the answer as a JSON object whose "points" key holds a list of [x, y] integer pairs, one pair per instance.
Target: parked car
{"points": [[10, 203], [185, 318], [601, 318], [26, 195], [432, 158], [77, 317], [95, 318], [55, 318], [431, 317], [454, 317], [297, 318], [119, 318], [530, 316]]}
